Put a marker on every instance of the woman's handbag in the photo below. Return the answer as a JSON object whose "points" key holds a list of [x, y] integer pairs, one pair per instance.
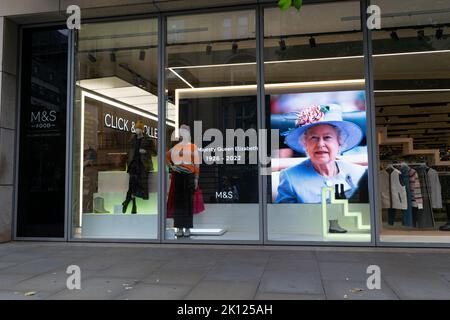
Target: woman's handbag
{"points": [[199, 206]]}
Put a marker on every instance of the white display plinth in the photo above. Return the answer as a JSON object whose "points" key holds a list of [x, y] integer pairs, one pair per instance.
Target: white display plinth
{"points": [[132, 226]]}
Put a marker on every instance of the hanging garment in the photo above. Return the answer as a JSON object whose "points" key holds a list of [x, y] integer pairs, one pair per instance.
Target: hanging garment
{"points": [[416, 193], [393, 190], [385, 194], [425, 217], [435, 186], [407, 214]]}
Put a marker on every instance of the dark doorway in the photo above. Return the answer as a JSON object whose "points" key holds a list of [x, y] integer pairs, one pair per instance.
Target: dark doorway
{"points": [[42, 149]]}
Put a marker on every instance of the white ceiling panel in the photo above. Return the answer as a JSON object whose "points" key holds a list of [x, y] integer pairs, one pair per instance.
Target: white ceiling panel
{"points": [[124, 92]]}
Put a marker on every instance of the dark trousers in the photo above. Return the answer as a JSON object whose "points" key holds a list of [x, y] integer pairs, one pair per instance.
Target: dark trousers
{"points": [[183, 205]]}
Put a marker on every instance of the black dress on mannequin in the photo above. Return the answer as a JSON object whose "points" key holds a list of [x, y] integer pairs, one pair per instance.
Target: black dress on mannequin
{"points": [[138, 182]]}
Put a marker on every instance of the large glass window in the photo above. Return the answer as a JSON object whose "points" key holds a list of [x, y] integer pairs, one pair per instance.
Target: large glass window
{"points": [[211, 127], [316, 109], [412, 97], [115, 131]]}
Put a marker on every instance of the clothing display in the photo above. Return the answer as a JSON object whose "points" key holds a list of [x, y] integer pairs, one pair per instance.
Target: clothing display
{"points": [[393, 189], [414, 185], [138, 170], [412, 192], [435, 186], [407, 215], [425, 219], [183, 161]]}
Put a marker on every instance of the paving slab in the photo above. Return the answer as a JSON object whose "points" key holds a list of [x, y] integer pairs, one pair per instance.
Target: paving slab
{"points": [[356, 290], [7, 248], [445, 275], [96, 289], [285, 296], [26, 255], [131, 269], [5, 265], [181, 277], [236, 271], [292, 283], [343, 271], [191, 265], [292, 265], [429, 287], [8, 280], [22, 295], [339, 256], [98, 262], [223, 290], [53, 281], [155, 292], [38, 266], [296, 255]]}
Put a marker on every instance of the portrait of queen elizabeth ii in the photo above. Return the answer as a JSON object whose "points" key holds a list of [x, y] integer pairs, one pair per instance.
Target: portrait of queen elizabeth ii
{"points": [[321, 134]]}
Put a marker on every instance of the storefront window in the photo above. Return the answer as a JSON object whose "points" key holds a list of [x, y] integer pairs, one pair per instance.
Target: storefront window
{"points": [[115, 131], [412, 97], [316, 106], [212, 127]]}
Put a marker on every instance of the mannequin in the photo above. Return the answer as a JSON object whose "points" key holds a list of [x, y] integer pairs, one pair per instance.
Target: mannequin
{"points": [[183, 160], [140, 163]]}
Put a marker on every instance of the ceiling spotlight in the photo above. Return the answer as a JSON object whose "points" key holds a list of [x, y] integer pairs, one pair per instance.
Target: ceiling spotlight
{"points": [[421, 35], [91, 57], [312, 42], [439, 33], [394, 36], [234, 47], [282, 44], [112, 56], [142, 55], [208, 49]]}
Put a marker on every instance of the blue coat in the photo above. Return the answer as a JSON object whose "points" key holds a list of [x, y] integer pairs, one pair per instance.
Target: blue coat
{"points": [[302, 183]]}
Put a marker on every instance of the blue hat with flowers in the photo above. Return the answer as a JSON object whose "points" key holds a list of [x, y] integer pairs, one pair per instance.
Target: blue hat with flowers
{"points": [[331, 114]]}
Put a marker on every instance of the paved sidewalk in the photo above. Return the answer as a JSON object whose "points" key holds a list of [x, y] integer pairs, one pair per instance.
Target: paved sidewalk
{"points": [[135, 271]]}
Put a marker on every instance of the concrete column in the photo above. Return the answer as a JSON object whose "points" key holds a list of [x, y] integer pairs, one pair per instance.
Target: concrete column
{"points": [[8, 105]]}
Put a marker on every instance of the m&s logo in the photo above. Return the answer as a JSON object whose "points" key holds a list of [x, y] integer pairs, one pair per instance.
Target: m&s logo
{"points": [[43, 119]]}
